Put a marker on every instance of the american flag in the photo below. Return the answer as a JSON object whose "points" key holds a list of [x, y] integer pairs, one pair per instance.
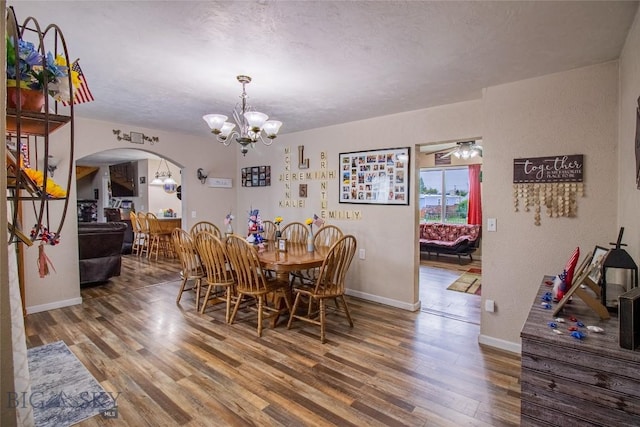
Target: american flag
{"points": [[82, 93], [317, 221]]}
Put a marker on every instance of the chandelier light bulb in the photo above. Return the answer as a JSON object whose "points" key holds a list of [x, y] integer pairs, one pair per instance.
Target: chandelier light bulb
{"points": [[227, 127], [255, 120], [271, 128], [215, 122]]}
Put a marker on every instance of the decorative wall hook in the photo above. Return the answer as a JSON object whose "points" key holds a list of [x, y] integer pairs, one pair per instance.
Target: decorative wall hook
{"points": [[202, 176], [135, 137]]}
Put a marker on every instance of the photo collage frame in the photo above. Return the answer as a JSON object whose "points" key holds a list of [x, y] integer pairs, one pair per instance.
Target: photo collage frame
{"points": [[256, 176], [375, 176]]}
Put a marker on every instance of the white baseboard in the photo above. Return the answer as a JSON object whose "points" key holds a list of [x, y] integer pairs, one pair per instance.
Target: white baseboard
{"points": [[383, 300], [53, 305], [509, 346]]}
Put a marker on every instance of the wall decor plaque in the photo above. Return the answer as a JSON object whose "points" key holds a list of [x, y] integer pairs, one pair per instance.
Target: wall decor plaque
{"points": [[563, 168], [553, 183]]}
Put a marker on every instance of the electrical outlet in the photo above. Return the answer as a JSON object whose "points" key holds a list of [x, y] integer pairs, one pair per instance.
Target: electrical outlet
{"points": [[193, 214], [361, 254]]}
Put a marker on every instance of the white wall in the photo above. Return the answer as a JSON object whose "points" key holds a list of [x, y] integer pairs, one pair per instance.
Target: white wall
{"points": [[158, 198], [628, 194], [387, 233], [61, 288], [573, 112]]}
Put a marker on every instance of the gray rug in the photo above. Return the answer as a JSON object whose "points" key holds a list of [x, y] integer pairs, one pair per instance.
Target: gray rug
{"points": [[63, 392]]}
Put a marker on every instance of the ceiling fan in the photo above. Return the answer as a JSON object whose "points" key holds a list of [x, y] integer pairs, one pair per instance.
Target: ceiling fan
{"points": [[463, 150]]}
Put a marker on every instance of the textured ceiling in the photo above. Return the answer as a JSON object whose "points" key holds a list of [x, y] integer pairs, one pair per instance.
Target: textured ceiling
{"points": [[162, 65]]}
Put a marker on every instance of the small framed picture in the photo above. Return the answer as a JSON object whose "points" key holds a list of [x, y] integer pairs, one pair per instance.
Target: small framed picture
{"points": [[137, 137], [595, 266]]}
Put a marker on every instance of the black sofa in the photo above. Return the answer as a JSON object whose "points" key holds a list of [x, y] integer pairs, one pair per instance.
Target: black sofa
{"points": [[100, 250], [114, 215]]}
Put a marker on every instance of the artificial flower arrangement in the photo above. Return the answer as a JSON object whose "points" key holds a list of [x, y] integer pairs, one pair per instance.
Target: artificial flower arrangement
{"points": [[277, 221], [33, 70], [52, 189]]}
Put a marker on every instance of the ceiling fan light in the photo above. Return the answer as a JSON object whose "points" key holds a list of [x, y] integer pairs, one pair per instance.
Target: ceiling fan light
{"points": [[271, 128], [215, 121], [255, 120]]}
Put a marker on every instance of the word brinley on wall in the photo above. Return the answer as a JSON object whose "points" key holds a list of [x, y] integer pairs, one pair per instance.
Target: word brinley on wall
{"points": [[553, 182]]}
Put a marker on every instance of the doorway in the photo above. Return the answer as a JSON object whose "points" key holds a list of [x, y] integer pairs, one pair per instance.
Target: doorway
{"points": [[124, 179], [449, 286]]}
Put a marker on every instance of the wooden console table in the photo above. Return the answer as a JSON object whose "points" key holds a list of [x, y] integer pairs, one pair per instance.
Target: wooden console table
{"points": [[566, 381]]}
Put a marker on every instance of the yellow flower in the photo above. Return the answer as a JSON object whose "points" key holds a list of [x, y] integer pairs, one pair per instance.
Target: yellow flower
{"points": [[278, 220], [309, 221], [53, 189]]}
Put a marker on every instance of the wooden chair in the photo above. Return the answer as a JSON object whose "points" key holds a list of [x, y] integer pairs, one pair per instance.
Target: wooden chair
{"points": [[144, 233], [213, 256], [251, 280], [159, 239], [269, 230], [326, 236], [205, 226], [328, 285], [295, 232], [191, 267], [137, 235]]}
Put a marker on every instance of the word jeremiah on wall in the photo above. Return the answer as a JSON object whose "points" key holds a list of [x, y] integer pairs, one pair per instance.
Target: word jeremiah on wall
{"points": [[304, 176]]}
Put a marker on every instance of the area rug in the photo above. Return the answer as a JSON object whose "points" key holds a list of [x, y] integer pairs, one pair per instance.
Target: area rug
{"points": [[469, 282], [63, 392]]}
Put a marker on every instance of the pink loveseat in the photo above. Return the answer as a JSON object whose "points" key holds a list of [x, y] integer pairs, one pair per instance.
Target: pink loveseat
{"points": [[452, 239]]}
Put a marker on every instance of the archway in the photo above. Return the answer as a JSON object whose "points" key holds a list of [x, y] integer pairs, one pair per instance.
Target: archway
{"points": [[138, 169]]}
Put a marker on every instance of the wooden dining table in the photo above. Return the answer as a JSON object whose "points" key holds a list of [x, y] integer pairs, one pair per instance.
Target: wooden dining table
{"points": [[296, 258]]}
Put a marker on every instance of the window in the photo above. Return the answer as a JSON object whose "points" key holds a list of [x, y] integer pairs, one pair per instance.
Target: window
{"points": [[444, 195]]}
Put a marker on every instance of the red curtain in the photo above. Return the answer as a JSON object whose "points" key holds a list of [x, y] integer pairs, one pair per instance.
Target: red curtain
{"points": [[475, 202]]}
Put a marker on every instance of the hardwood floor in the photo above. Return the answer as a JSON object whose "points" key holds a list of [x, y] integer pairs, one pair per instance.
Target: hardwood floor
{"points": [[174, 366], [436, 274]]}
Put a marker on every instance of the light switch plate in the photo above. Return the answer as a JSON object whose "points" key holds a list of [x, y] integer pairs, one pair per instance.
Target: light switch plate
{"points": [[492, 224]]}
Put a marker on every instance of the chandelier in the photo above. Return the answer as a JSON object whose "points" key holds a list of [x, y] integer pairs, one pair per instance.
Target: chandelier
{"points": [[251, 124], [163, 178], [467, 149]]}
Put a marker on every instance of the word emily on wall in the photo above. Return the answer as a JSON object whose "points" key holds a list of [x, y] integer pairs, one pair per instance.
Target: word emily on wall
{"points": [[301, 183]]}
